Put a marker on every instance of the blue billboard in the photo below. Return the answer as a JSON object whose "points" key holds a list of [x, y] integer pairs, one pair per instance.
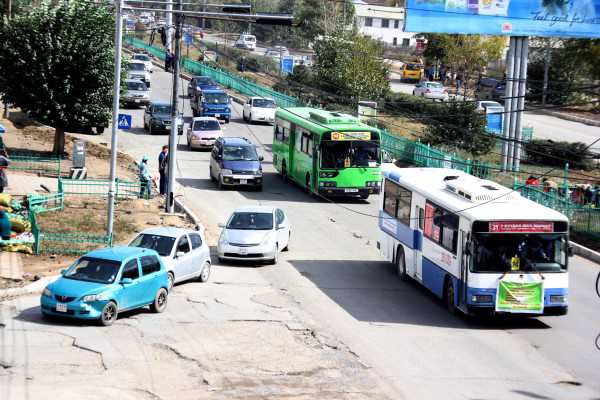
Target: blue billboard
{"points": [[562, 18]]}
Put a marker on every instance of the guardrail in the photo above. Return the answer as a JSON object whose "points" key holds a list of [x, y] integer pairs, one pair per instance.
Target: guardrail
{"points": [[101, 187], [48, 165]]}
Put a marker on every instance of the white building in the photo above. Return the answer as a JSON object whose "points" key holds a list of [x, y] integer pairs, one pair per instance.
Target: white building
{"points": [[383, 23]]}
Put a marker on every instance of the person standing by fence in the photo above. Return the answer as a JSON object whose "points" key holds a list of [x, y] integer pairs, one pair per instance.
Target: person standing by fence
{"points": [[145, 178], [163, 163]]}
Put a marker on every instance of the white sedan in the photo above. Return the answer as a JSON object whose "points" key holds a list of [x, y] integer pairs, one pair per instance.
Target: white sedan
{"points": [[185, 252], [141, 57], [256, 233], [259, 109], [431, 90]]}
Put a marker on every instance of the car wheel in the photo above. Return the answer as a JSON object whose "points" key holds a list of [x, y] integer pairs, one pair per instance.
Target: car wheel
{"points": [[450, 296], [250, 118], [276, 256], [287, 246], [109, 314], [401, 266], [414, 93], [160, 301], [145, 126], [150, 130], [259, 188], [212, 178], [205, 273], [308, 190], [171, 281], [226, 120], [189, 144], [364, 196], [284, 171], [220, 182]]}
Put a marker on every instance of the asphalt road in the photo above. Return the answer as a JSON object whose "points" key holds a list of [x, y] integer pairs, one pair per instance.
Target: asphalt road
{"points": [[544, 126], [334, 273]]}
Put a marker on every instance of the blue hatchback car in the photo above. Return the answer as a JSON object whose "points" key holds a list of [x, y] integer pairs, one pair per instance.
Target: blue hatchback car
{"points": [[104, 282], [235, 162]]}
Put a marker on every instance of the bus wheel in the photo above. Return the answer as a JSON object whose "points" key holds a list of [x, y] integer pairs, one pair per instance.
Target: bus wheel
{"points": [[284, 171], [401, 265], [364, 196], [308, 190], [450, 296]]}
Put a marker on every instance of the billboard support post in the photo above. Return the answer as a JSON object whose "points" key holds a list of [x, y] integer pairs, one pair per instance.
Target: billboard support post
{"points": [[510, 61], [522, 82]]}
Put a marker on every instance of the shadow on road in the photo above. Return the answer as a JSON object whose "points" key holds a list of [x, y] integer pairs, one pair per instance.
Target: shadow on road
{"points": [[34, 315], [371, 292]]}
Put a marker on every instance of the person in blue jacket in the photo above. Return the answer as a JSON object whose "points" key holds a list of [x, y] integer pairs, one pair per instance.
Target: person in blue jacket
{"points": [[145, 177]]}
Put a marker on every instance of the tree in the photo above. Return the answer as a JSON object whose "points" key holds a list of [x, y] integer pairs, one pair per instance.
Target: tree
{"points": [[58, 64], [350, 64], [469, 53]]}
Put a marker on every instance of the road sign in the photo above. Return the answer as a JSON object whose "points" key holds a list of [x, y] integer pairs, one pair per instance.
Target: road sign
{"points": [[187, 38], [287, 64], [124, 121]]}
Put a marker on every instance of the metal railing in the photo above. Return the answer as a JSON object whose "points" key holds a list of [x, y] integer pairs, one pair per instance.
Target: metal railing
{"points": [[100, 187], [47, 165]]}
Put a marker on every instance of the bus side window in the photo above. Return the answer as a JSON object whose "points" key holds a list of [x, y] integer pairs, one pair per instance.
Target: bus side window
{"points": [[310, 145], [278, 133]]}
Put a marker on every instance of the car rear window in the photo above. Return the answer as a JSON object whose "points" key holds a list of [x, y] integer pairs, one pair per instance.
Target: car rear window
{"points": [[435, 85]]}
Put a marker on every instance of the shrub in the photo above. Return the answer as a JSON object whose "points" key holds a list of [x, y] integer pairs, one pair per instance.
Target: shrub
{"points": [[548, 152]]}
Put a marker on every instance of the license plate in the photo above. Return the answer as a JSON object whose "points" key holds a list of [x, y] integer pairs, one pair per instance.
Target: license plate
{"points": [[61, 307], [137, 100], [243, 251], [217, 115], [243, 181], [350, 190]]}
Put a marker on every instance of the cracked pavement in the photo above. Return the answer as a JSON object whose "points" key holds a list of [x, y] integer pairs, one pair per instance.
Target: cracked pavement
{"points": [[238, 338]]}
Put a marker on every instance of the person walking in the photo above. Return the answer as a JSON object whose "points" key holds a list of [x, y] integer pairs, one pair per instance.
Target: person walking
{"points": [[145, 177], [163, 166], [4, 161], [459, 80]]}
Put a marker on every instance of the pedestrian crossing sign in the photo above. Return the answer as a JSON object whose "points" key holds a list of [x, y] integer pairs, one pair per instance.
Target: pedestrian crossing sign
{"points": [[124, 121]]}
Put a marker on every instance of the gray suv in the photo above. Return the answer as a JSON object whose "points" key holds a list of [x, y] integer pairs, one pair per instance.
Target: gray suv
{"points": [[157, 118]]}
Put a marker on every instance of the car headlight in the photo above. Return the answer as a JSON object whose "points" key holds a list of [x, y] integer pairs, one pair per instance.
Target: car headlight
{"points": [[258, 172], [47, 292], [223, 240], [93, 297], [373, 184], [226, 172]]}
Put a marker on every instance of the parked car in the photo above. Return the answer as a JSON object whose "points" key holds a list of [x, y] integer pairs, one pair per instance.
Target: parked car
{"points": [[203, 132], [145, 59], [254, 233], [273, 53], [137, 94], [157, 118], [259, 109], [246, 41], [280, 50], [137, 70], [198, 84], [184, 252], [212, 103], [103, 283], [431, 90], [490, 89], [234, 162]]}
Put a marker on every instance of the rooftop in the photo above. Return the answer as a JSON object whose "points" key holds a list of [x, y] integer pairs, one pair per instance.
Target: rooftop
{"points": [[117, 253]]}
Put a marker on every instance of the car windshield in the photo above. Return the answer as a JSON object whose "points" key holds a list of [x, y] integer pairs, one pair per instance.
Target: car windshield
{"points": [[136, 86], [263, 103], [93, 270], [413, 67], [141, 57], [239, 153], [136, 67], [206, 82], [495, 252], [251, 221], [216, 98], [206, 125], [434, 85], [161, 244], [162, 109], [351, 153]]}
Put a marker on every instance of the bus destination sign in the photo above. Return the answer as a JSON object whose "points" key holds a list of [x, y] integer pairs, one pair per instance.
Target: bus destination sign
{"points": [[350, 135], [521, 227]]}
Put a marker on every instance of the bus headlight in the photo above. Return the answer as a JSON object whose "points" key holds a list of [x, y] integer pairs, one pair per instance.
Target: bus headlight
{"points": [[373, 184], [558, 298], [327, 184], [481, 298]]}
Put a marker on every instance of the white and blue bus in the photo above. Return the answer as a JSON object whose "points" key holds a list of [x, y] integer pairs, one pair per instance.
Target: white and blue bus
{"points": [[479, 246]]}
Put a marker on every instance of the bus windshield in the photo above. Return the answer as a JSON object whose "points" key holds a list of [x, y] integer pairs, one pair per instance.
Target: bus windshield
{"points": [[351, 153], [494, 252]]}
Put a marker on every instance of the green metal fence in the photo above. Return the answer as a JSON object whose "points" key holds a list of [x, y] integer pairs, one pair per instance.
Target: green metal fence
{"points": [[47, 165], [101, 187], [44, 203]]}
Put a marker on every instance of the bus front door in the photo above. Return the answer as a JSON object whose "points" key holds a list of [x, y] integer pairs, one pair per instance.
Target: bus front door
{"points": [[464, 268]]}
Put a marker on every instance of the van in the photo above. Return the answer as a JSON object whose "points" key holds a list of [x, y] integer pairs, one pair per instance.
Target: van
{"points": [[246, 41], [411, 72]]}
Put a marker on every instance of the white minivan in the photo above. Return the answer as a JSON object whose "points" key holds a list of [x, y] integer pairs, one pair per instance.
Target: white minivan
{"points": [[246, 41]]}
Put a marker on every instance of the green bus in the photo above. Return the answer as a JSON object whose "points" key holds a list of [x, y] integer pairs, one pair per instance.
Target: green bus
{"points": [[328, 153]]}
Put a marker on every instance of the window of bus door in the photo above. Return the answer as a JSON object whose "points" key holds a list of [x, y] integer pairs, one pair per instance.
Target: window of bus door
{"points": [[529, 252], [397, 201], [349, 154], [282, 133]]}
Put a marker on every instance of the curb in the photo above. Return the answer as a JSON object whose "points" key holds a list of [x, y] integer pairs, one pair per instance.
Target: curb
{"points": [[568, 117], [586, 253], [32, 288], [179, 205]]}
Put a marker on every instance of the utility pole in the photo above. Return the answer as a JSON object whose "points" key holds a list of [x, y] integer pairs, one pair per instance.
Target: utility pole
{"points": [[203, 10], [115, 120], [169, 24], [170, 202]]}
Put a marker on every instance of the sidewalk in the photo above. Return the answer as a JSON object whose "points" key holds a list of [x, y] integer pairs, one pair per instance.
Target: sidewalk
{"points": [[20, 184]]}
